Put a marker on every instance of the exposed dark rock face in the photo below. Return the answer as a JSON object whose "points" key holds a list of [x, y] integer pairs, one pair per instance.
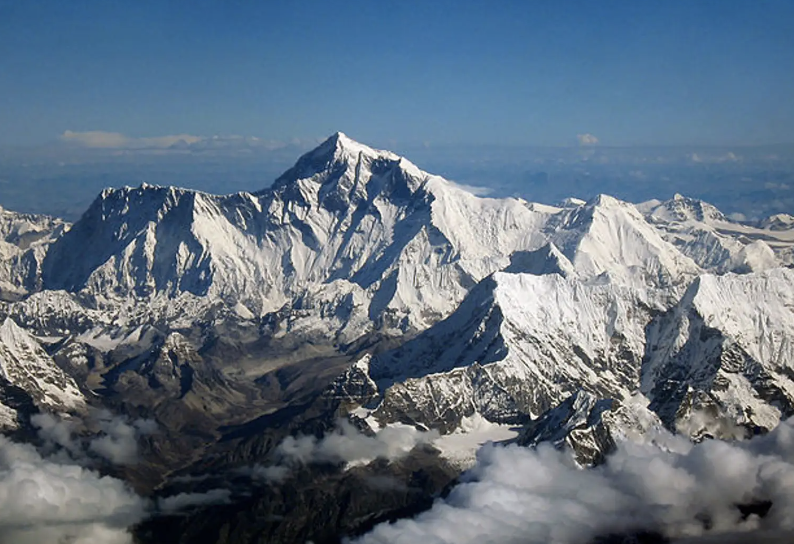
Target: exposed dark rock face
{"points": [[320, 504]]}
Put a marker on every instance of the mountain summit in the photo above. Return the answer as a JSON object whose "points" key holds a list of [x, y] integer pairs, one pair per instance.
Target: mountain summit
{"points": [[365, 234], [369, 223]]}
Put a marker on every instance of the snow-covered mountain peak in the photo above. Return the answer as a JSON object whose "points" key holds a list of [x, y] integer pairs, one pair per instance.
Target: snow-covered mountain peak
{"points": [[344, 145], [604, 201], [779, 221], [10, 333], [610, 236], [703, 233], [342, 173], [546, 260], [24, 239], [25, 364], [571, 202], [681, 208]]}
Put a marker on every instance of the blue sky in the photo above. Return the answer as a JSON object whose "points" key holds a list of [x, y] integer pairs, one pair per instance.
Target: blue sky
{"points": [[514, 73]]}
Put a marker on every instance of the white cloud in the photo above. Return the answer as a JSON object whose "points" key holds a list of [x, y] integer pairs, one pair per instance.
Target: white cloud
{"points": [[347, 444], [716, 159], [43, 501], [118, 441], [56, 432], [273, 473], [540, 496], [344, 445], [115, 140], [119, 143], [95, 138], [51, 497], [184, 501], [116, 438], [587, 139]]}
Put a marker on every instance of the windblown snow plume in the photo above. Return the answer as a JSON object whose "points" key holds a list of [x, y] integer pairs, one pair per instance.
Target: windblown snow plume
{"points": [[515, 494], [47, 502]]}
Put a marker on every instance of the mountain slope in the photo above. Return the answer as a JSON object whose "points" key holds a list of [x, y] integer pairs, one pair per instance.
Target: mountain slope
{"points": [[519, 344], [725, 350], [557, 334], [715, 243], [24, 239], [413, 242], [608, 236], [25, 364]]}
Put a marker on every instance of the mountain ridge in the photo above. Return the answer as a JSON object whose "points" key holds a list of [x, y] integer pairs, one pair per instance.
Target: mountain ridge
{"points": [[360, 287]]}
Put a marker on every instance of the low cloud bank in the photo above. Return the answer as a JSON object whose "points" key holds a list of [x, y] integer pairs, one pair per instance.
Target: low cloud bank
{"points": [[53, 496], [345, 444], [115, 438], [183, 501], [118, 441], [586, 139], [47, 502], [519, 495]]}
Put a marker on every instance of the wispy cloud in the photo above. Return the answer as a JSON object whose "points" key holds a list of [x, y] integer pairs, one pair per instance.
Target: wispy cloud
{"points": [[174, 143], [587, 139], [185, 501], [730, 156], [476, 190], [98, 139], [345, 444], [116, 438]]}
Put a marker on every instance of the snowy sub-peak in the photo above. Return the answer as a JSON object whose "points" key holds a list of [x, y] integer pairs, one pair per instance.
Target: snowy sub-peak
{"points": [[717, 360], [23, 241], [780, 221], [571, 202], [557, 334], [725, 350], [25, 229], [545, 260], [335, 168], [25, 364], [592, 427], [715, 243], [681, 208], [607, 236]]}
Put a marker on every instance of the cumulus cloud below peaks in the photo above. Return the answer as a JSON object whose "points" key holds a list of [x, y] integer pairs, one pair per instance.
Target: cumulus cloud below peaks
{"points": [[114, 438], [44, 501], [520, 495], [119, 437], [346, 444]]}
